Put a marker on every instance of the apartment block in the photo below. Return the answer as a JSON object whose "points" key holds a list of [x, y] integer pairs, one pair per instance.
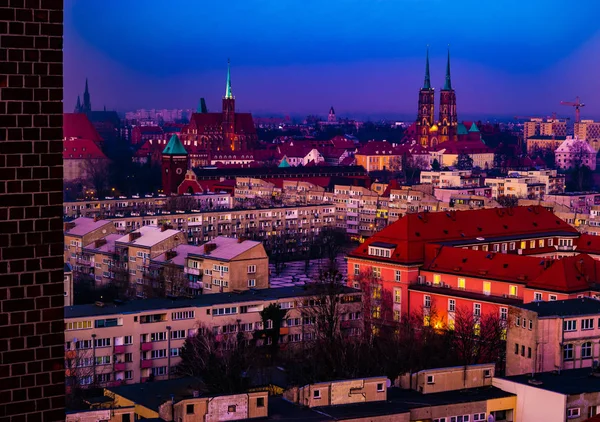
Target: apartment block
{"points": [[450, 179], [81, 232], [554, 336], [590, 131], [130, 342], [148, 205], [535, 184], [222, 265]]}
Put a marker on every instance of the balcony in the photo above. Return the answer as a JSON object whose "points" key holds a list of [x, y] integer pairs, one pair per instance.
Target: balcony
{"points": [[146, 364], [146, 347], [119, 349]]}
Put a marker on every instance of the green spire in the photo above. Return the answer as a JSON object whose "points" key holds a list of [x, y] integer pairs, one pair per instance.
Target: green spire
{"points": [[174, 147], [448, 84], [427, 84], [228, 88]]}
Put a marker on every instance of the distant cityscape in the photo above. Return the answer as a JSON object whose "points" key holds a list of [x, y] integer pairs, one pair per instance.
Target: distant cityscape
{"points": [[262, 263]]}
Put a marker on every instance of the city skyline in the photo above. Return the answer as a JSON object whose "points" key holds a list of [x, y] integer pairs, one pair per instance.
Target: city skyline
{"points": [[525, 64]]}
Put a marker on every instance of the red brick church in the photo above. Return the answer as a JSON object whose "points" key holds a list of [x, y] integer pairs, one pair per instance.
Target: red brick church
{"points": [[224, 131]]}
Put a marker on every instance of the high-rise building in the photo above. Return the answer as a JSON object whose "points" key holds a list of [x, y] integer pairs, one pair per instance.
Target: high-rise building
{"points": [[590, 131]]}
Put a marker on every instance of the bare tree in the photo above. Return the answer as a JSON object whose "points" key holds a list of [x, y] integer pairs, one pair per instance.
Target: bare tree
{"points": [[82, 372], [96, 174], [220, 361]]}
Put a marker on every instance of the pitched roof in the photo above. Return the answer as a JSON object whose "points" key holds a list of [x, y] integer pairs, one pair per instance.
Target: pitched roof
{"points": [[378, 148], [209, 122], [467, 147], [77, 125], [413, 231], [174, 147], [474, 128], [227, 248], [462, 129], [149, 130], [284, 163], [588, 243], [569, 275], [85, 225], [150, 236], [82, 149], [575, 146], [489, 265]]}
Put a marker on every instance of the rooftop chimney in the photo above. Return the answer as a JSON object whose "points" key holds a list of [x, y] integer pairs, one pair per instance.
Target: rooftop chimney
{"points": [[96, 218], [209, 247], [99, 243], [134, 235]]}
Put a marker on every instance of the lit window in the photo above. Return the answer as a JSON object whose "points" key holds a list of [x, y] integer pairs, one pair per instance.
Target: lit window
{"points": [[462, 283]]}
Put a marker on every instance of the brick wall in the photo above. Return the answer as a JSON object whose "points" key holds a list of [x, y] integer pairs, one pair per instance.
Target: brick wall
{"points": [[31, 243]]}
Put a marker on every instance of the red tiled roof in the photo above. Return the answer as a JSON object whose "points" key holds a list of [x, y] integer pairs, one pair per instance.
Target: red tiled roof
{"points": [[378, 148], [483, 264], [81, 149], [588, 243], [348, 161], [77, 125], [413, 231], [468, 147], [570, 274], [210, 122]]}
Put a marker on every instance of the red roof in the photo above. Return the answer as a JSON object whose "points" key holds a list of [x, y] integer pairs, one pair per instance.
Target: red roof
{"points": [[378, 148], [468, 147], [212, 122], [412, 232], [81, 149], [588, 243], [569, 275], [149, 130], [348, 161], [77, 125], [483, 264]]}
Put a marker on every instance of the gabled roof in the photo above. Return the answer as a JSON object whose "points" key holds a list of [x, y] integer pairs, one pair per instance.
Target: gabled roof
{"points": [[85, 225], [77, 125], [474, 128], [174, 147], [82, 149], [467, 147], [378, 148], [414, 230], [284, 163]]}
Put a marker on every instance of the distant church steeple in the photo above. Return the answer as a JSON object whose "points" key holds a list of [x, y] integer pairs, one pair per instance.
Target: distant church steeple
{"points": [[87, 105], [229, 116], [78, 106], [202, 106], [425, 112], [448, 117]]}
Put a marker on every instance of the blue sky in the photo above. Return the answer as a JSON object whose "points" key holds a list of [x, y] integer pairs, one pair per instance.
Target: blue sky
{"points": [[361, 56]]}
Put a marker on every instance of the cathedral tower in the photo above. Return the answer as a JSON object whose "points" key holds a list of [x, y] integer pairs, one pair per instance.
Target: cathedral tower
{"points": [[229, 138], [425, 114], [87, 105], [448, 118]]}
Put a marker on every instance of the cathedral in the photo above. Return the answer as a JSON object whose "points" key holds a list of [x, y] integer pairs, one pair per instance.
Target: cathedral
{"points": [[224, 131], [428, 131]]}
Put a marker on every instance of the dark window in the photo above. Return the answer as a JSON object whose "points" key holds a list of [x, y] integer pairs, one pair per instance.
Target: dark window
{"points": [[522, 350], [529, 352], [516, 349], [126, 417], [231, 409], [189, 409], [260, 402]]}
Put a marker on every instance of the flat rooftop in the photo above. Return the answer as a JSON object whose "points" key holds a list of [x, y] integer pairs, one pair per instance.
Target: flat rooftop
{"points": [[206, 300], [563, 308], [568, 382], [398, 401]]}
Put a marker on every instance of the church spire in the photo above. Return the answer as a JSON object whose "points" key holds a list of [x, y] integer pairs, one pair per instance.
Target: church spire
{"points": [[78, 106], [87, 105], [228, 87], [427, 84], [201, 106], [448, 84]]}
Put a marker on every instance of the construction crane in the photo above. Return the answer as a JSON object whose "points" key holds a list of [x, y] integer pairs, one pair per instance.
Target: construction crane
{"points": [[577, 104]]}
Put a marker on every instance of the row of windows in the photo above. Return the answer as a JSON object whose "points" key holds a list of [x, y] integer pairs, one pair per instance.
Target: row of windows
{"points": [[586, 324], [586, 351]]}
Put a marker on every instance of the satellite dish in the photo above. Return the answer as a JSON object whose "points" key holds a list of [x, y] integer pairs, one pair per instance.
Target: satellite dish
{"points": [[388, 383]]}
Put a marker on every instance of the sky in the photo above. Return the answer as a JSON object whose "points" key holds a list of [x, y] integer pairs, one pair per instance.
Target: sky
{"points": [[363, 57]]}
